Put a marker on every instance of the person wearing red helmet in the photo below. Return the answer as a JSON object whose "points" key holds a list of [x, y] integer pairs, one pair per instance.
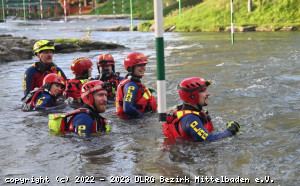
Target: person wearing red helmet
{"points": [[133, 99], [34, 75], [106, 69], [45, 98], [191, 122], [82, 69], [86, 120]]}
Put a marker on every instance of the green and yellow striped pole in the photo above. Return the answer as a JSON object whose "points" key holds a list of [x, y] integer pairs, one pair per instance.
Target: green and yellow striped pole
{"points": [[3, 11], [232, 27], [160, 60]]}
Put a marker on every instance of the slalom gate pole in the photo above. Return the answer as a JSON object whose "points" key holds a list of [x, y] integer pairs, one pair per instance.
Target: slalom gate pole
{"points": [[3, 11], [65, 10], [24, 7], [41, 11], [232, 27], [160, 63], [180, 10], [131, 15]]}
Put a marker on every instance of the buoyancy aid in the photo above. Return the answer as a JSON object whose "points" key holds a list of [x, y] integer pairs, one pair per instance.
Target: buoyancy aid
{"points": [[73, 88], [30, 99], [144, 101], [172, 128], [112, 83], [63, 122], [44, 71]]}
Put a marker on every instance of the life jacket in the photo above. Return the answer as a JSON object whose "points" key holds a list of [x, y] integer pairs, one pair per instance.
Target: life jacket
{"points": [[73, 88], [144, 101], [111, 84], [63, 122], [40, 75], [30, 99], [172, 128]]}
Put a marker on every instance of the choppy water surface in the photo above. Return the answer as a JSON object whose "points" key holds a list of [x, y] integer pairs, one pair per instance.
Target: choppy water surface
{"points": [[255, 82]]}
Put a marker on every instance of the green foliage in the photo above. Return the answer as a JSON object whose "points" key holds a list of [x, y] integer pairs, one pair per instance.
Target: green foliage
{"points": [[211, 14], [142, 9], [74, 40]]}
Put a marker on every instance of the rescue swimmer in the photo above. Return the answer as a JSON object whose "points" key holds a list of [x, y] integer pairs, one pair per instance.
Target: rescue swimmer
{"points": [[191, 122], [107, 74], [82, 68], [86, 120], [133, 98], [45, 97], [34, 75]]}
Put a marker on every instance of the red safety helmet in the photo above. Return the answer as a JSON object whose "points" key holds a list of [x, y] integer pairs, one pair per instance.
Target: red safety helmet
{"points": [[88, 88], [106, 59], [80, 65], [53, 78], [133, 59], [189, 88]]}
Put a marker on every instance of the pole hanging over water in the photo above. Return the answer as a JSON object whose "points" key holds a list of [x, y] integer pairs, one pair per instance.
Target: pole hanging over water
{"points": [[65, 10], [232, 27], [41, 11], [160, 60], [24, 7], [3, 11], [180, 10], [131, 15]]}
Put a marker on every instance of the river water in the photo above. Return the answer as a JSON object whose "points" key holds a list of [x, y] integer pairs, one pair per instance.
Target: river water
{"points": [[256, 82]]}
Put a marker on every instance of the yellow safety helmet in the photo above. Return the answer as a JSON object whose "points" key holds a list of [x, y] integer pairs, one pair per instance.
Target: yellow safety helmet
{"points": [[43, 45]]}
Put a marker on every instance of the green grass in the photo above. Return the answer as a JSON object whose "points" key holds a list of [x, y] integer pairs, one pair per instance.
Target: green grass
{"points": [[211, 14], [142, 9]]}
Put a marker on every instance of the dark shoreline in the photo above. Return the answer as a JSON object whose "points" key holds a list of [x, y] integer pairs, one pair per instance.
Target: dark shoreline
{"points": [[20, 48]]}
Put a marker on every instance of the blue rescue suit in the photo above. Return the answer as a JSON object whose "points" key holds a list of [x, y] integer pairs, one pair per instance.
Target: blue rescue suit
{"points": [[35, 74], [191, 127]]}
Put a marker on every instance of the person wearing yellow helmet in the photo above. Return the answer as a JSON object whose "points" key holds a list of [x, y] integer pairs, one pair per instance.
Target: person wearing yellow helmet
{"points": [[35, 74]]}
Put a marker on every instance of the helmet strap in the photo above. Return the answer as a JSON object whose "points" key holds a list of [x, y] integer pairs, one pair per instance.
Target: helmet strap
{"points": [[199, 106], [132, 77]]}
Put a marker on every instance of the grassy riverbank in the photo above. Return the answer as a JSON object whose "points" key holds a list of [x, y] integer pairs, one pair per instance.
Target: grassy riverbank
{"points": [[211, 14]]}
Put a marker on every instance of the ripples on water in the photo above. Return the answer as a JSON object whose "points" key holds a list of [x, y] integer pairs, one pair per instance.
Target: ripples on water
{"points": [[255, 81]]}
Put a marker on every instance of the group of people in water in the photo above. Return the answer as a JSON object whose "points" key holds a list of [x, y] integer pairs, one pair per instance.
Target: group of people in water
{"points": [[45, 85]]}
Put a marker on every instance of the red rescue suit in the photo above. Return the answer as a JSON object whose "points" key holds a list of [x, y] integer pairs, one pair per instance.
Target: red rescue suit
{"points": [[144, 101], [172, 128], [73, 88], [31, 98], [98, 125]]}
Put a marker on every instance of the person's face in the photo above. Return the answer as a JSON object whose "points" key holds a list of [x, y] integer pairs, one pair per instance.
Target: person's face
{"points": [[46, 56], [90, 72], [100, 100], [203, 97], [139, 70], [56, 89], [104, 67]]}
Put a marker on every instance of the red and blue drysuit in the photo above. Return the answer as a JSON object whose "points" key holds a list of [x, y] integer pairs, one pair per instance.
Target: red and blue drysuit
{"points": [[85, 121], [112, 83], [35, 74], [134, 99], [39, 99], [191, 127]]}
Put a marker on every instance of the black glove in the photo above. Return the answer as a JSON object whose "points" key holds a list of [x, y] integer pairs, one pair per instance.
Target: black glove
{"points": [[104, 74], [233, 127]]}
